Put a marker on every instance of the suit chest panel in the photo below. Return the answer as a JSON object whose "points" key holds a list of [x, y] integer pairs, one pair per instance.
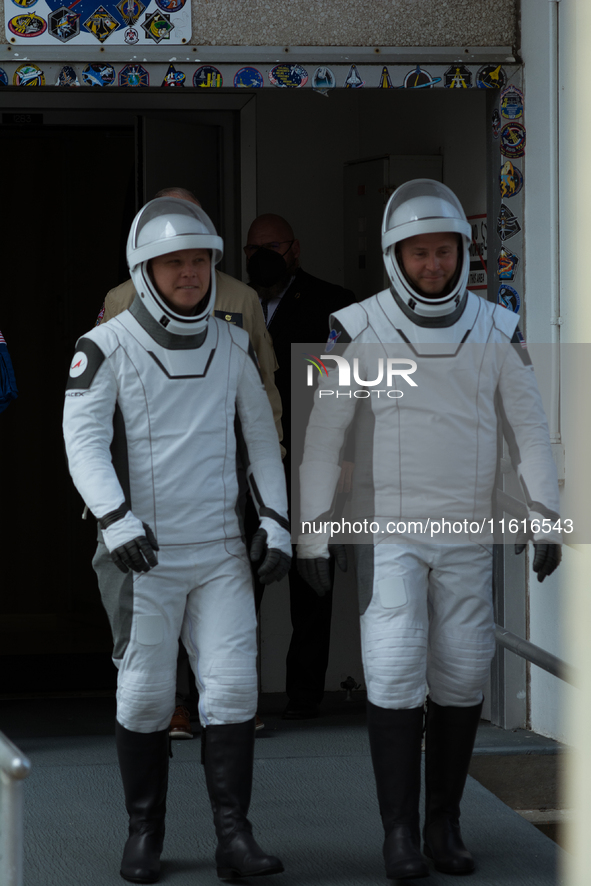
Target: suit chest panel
{"points": [[175, 396]]}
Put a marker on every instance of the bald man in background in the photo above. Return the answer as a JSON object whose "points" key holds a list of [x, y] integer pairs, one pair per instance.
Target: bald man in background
{"points": [[296, 306]]}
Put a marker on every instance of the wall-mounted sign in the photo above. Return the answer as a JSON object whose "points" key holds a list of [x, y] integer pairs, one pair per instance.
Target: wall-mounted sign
{"points": [[89, 22]]}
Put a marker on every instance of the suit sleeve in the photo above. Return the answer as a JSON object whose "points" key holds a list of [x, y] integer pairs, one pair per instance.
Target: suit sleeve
{"points": [[261, 453], [330, 418], [89, 407], [526, 431]]}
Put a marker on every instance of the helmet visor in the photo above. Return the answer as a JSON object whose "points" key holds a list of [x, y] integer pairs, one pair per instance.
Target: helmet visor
{"points": [[422, 206], [168, 224]]}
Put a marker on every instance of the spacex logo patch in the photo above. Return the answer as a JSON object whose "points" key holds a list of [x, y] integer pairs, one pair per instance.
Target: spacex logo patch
{"points": [[79, 364]]}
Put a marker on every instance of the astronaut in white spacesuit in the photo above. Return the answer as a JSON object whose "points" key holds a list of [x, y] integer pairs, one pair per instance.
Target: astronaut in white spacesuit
{"points": [[157, 402], [428, 451]]}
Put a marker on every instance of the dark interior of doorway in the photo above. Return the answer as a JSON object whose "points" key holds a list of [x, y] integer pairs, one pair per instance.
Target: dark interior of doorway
{"points": [[69, 202]]}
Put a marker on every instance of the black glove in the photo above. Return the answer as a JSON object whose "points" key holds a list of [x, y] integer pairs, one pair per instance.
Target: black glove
{"points": [[139, 554], [276, 563], [546, 558], [317, 572]]}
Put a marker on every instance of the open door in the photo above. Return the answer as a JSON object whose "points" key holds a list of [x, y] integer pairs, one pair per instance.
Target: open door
{"points": [[193, 151], [62, 250], [368, 185]]}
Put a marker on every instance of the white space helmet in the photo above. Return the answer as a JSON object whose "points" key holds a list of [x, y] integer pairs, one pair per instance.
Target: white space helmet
{"points": [[425, 206], [167, 225]]}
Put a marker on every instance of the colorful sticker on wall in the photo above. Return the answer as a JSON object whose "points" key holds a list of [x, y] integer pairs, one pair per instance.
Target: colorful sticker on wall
{"points": [[67, 77], [101, 24], [130, 11], [323, 79], [207, 76], [288, 76], [98, 75], [353, 80], [512, 103], [173, 77], [131, 36], [24, 4], [496, 123], [158, 26], [506, 264], [170, 5], [478, 275], [64, 24], [133, 75], [509, 298], [491, 77], [513, 140], [385, 81], [507, 224], [419, 79], [28, 75], [3, 77], [458, 77], [249, 78], [27, 24], [511, 179]]}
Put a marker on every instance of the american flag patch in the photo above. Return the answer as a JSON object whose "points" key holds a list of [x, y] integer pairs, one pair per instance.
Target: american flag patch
{"points": [[100, 316], [2, 339], [520, 338]]}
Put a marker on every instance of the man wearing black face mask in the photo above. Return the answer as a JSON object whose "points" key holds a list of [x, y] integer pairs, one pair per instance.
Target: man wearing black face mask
{"points": [[296, 306]]}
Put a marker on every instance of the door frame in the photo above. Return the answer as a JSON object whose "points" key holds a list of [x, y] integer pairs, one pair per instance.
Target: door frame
{"points": [[122, 107]]}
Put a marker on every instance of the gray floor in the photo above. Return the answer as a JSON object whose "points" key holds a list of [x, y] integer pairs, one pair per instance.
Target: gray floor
{"points": [[313, 804]]}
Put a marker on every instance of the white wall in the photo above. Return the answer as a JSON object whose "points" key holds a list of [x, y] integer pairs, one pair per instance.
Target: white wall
{"points": [[548, 696]]}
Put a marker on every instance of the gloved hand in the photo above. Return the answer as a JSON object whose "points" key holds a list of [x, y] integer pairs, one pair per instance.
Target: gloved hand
{"points": [[547, 547], [272, 542], [546, 558], [316, 570], [131, 543]]}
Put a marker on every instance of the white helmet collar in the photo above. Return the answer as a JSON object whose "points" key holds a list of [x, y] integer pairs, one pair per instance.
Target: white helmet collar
{"points": [[165, 225], [425, 206]]}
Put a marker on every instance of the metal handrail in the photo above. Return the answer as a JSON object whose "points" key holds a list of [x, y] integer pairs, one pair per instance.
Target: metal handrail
{"points": [[536, 655], [14, 768]]}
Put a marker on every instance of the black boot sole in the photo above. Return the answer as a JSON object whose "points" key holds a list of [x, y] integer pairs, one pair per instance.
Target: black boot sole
{"points": [[235, 874], [468, 868], [149, 879]]}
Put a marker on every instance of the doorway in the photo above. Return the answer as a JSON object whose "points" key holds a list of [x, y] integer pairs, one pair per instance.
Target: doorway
{"points": [[63, 249], [270, 150]]}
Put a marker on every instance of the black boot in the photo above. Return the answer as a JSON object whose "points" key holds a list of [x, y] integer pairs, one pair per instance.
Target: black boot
{"points": [[143, 760], [450, 736], [395, 742], [228, 759]]}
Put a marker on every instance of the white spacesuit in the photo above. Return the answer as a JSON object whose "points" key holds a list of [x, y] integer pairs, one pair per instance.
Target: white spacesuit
{"points": [[155, 403], [427, 454]]}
